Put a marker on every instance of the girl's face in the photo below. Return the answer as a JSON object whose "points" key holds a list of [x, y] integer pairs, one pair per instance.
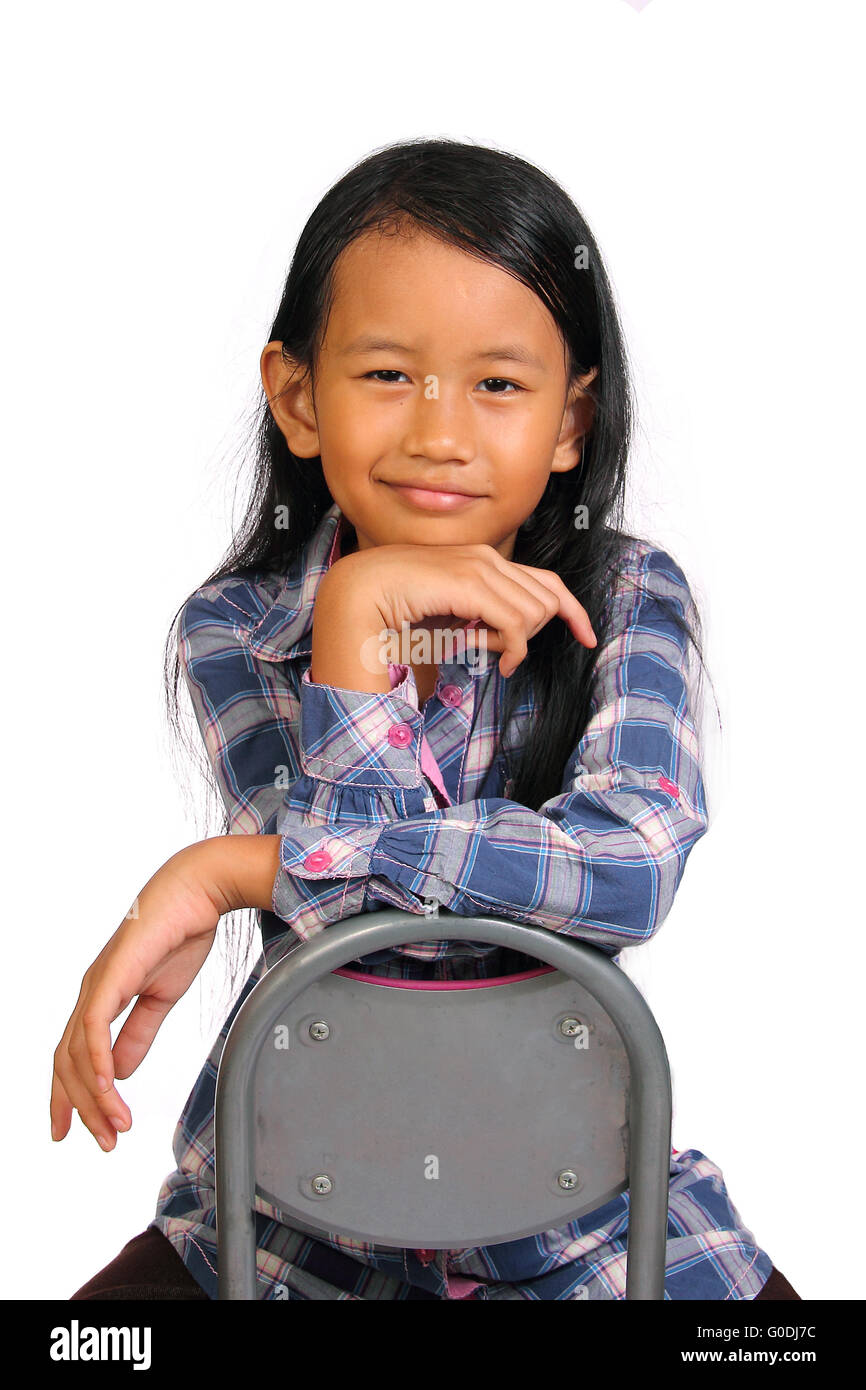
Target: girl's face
{"points": [[437, 369]]}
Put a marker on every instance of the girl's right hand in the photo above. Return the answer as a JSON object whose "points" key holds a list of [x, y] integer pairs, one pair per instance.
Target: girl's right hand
{"points": [[155, 955], [416, 584]]}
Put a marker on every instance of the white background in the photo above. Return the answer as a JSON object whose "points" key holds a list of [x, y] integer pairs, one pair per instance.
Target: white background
{"points": [[160, 163]]}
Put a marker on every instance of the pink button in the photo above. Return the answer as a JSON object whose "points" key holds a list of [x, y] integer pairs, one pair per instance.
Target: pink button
{"points": [[451, 695], [319, 860], [670, 787], [399, 735]]}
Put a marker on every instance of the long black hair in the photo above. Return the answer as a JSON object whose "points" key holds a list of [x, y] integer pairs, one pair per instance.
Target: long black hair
{"points": [[497, 206]]}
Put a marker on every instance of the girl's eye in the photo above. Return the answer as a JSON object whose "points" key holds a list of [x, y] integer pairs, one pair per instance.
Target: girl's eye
{"points": [[389, 372], [503, 382]]}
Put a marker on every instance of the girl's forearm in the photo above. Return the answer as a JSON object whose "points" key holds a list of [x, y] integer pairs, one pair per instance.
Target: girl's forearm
{"points": [[238, 871]]}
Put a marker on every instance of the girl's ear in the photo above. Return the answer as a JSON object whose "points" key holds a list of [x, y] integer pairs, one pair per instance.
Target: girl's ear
{"points": [[289, 392], [577, 419]]}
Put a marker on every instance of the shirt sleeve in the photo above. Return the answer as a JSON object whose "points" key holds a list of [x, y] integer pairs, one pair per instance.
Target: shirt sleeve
{"points": [[600, 861], [328, 766]]}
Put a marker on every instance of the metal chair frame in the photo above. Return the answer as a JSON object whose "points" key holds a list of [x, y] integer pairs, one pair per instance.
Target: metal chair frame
{"points": [[647, 1095]]}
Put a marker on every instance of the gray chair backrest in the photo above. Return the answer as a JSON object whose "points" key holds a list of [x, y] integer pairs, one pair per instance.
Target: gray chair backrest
{"points": [[442, 1117]]}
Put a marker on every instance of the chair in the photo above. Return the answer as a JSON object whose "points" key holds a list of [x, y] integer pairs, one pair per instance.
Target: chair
{"points": [[442, 1115]]}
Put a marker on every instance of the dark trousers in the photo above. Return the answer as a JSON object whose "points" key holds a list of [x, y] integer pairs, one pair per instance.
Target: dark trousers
{"points": [[149, 1267]]}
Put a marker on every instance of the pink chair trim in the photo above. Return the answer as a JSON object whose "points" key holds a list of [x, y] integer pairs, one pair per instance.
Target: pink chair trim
{"points": [[444, 984]]}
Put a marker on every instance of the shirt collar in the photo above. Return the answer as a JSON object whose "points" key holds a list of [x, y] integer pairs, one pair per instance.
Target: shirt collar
{"points": [[286, 630]]}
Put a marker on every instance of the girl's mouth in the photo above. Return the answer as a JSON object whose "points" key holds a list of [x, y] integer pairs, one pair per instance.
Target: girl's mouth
{"points": [[430, 501]]}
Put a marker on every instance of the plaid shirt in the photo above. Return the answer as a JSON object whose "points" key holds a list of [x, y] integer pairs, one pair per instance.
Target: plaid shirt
{"points": [[369, 819]]}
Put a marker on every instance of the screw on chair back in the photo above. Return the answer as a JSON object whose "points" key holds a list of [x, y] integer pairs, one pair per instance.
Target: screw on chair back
{"points": [[442, 1116]]}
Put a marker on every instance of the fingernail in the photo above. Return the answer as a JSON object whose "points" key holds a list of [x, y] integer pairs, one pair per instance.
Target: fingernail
{"points": [[53, 1132], [103, 1142], [102, 1083], [117, 1122]]}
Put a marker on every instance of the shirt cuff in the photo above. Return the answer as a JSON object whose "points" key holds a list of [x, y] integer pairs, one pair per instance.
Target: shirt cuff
{"points": [[365, 739], [322, 877]]}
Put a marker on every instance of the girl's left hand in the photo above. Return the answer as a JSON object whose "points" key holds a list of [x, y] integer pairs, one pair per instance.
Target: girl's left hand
{"points": [[155, 954]]}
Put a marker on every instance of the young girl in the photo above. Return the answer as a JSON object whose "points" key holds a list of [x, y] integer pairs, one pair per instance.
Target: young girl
{"points": [[443, 442]]}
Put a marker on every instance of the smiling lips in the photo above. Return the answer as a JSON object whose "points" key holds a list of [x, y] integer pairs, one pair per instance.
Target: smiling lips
{"points": [[432, 500]]}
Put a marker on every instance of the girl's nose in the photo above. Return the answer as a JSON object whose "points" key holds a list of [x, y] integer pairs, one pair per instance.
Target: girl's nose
{"points": [[441, 426]]}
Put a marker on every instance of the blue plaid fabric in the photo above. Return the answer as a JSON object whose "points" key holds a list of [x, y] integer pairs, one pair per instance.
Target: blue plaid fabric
{"points": [[363, 826]]}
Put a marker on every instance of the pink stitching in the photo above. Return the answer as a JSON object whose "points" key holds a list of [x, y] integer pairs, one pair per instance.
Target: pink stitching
{"points": [[468, 719], [742, 1276], [331, 762], [345, 895], [230, 601], [200, 1251]]}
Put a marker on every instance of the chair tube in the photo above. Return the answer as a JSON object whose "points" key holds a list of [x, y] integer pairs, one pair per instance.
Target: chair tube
{"points": [[342, 942]]}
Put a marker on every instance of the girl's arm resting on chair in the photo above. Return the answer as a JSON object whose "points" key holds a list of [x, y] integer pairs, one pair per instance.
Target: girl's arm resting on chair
{"points": [[601, 860], [155, 954], [311, 762]]}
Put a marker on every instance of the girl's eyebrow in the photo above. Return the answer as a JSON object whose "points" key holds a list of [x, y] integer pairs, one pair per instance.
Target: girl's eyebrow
{"points": [[508, 352]]}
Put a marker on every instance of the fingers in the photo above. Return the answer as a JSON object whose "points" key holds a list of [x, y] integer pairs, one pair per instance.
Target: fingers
{"points": [[103, 1113], [569, 609], [60, 1108], [509, 610], [84, 1071], [138, 1032], [516, 603]]}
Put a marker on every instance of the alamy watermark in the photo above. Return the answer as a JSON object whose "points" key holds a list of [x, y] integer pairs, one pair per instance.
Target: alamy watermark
{"points": [[77, 1343], [420, 647]]}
